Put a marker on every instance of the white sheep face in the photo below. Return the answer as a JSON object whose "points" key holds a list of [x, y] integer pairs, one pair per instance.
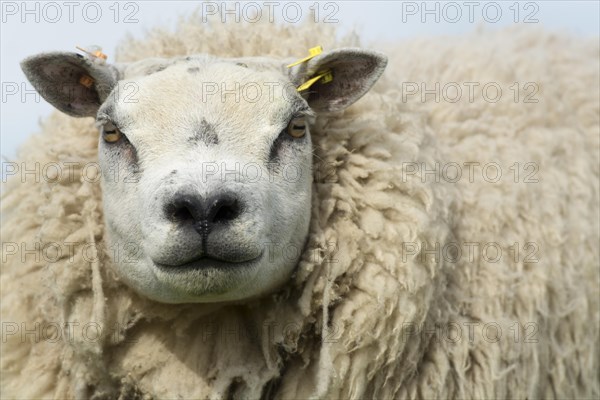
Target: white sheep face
{"points": [[213, 197], [206, 163]]}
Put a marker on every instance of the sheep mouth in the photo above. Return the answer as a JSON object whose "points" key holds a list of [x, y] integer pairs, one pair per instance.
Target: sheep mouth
{"points": [[207, 262]]}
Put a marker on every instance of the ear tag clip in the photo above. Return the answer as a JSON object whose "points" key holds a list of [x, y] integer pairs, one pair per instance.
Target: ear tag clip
{"points": [[94, 53], [86, 81], [325, 77], [315, 51]]}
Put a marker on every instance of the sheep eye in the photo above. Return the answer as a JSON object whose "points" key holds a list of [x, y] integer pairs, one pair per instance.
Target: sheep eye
{"points": [[297, 128], [110, 133]]}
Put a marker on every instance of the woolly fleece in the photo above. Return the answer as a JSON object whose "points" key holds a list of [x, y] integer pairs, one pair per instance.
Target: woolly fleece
{"points": [[362, 317]]}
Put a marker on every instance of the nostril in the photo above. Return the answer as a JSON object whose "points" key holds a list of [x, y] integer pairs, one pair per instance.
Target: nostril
{"points": [[218, 209], [225, 214], [181, 214], [184, 209], [223, 209]]}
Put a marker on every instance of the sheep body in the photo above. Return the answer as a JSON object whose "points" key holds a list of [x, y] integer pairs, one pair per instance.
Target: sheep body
{"points": [[373, 310]]}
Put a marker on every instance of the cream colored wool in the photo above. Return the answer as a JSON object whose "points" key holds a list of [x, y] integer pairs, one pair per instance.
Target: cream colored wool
{"points": [[350, 322]]}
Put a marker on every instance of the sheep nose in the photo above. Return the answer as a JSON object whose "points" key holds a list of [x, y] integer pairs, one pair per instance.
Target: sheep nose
{"points": [[203, 214]]}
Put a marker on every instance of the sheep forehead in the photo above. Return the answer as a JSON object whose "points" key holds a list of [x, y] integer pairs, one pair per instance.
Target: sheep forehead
{"points": [[234, 100]]}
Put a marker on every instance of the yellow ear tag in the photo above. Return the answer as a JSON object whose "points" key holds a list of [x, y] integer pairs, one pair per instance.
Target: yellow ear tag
{"points": [[86, 81], [315, 51], [327, 77]]}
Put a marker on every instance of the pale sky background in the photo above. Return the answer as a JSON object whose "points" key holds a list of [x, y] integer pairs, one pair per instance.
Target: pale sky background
{"points": [[31, 27]]}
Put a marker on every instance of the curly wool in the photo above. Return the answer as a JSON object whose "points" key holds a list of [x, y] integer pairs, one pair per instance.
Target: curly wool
{"points": [[360, 316]]}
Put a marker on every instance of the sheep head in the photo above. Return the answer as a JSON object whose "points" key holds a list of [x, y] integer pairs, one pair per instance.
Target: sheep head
{"points": [[206, 162]]}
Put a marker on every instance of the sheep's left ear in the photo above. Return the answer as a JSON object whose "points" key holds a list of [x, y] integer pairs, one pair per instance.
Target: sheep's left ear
{"points": [[74, 84], [354, 72]]}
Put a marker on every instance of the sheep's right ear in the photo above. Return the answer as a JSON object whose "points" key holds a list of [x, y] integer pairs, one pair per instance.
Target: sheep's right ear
{"points": [[74, 84], [352, 71]]}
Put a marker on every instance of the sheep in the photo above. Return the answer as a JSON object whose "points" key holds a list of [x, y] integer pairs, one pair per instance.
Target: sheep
{"points": [[384, 299]]}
